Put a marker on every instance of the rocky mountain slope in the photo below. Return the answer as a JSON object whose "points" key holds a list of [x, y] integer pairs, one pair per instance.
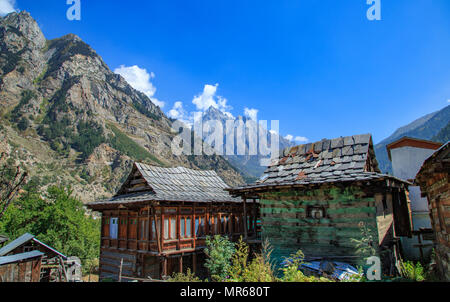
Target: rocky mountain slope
{"points": [[433, 127], [70, 120], [249, 165]]}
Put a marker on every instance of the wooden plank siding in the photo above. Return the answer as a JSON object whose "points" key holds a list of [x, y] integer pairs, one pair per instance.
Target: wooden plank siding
{"points": [[288, 226], [24, 271], [150, 235]]}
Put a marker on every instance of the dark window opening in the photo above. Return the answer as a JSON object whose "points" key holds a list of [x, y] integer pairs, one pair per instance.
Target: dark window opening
{"points": [[316, 212]]}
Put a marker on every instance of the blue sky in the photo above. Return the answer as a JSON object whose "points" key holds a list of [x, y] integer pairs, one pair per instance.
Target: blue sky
{"points": [[319, 66]]}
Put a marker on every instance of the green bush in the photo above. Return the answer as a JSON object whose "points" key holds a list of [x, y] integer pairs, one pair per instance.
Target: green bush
{"points": [[23, 124], [57, 219], [259, 269], [219, 251], [412, 271], [188, 277], [291, 273]]}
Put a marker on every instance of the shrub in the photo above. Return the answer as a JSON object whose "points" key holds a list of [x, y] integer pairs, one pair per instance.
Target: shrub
{"points": [[219, 251], [23, 124], [291, 273], [411, 271], [188, 277], [259, 269]]}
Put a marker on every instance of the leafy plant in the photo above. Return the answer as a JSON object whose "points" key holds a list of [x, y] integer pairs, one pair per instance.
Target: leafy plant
{"points": [[188, 277], [57, 219], [258, 269], [219, 251], [412, 271], [364, 245], [292, 273]]}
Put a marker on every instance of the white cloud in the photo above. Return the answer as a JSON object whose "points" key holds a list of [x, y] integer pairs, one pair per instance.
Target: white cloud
{"points": [[208, 98], [179, 113], [251, 113], [448, 101], [140, 79], [289, 137], [301, 139], [6, 7]]}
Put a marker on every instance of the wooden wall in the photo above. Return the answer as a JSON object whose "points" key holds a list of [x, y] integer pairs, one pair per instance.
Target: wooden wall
{"points": [[26, 271], [438, 191], [290, 224], [167, 230]]}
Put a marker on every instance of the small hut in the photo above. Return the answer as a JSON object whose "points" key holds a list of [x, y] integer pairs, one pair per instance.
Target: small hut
{"points": [[433, 179], [157, 223], [51, 264], [24, 267], [321, 197]]}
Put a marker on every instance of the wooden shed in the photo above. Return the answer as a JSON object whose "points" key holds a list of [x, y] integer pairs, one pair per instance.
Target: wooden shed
{"points": [[317, 197], [52, 262], [433, 179], [157, 223], [24, 267]]}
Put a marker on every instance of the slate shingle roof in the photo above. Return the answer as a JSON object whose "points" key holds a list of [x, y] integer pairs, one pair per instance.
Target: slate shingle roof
{"points": [[337, 160], [176, 184]]}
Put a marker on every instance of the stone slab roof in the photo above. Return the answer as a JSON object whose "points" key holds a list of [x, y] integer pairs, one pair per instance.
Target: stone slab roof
{"points": [[174, 184], [342, 159]]}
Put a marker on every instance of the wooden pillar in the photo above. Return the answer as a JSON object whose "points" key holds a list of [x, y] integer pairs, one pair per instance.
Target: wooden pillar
{"points": [[255, 216], [164, 267], [158, 238], [194, 262], [245, 218], [180, 263]]}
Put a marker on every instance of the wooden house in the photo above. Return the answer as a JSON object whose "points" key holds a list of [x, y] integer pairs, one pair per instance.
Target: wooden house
{"points": [[318, 197], [157, 223], [50, 263], [433, 179], [23, 267]]}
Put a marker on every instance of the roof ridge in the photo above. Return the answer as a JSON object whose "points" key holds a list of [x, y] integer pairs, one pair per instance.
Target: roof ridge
{"points": [[168, 168]]}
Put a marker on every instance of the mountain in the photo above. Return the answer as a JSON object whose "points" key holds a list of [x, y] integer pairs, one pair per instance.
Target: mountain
{"points": [[249, 165], [70, 120], [434, 126]]}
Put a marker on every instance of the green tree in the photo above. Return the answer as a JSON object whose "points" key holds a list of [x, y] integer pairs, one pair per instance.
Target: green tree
{"points": [[219, 251], [57, 219]]}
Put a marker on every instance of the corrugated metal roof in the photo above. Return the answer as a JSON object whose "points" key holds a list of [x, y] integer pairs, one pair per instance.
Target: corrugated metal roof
{"points": [[176, 184], [50, 248], [22, 240], [15, 244], [20, 257]]}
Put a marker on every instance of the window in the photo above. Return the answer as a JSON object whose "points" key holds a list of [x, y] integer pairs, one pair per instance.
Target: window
{"points": [[113, 227], [182, 227], [185, 227], [188, 228], [199, 226], [173, 228], [316, 212], [155, 226]]}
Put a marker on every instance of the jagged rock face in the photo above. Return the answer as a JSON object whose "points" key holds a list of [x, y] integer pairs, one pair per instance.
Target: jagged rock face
{"points": [[249, 165], [63, 107]]}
